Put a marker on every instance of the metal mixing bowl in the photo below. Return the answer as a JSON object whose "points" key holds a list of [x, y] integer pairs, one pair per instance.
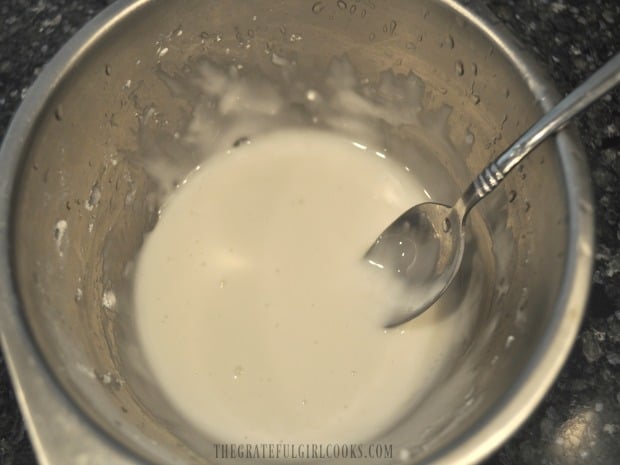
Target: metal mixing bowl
{"points": [[76, 202]]}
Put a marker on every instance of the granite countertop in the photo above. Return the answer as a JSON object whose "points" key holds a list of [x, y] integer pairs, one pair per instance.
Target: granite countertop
{"points": [[579, 420]]}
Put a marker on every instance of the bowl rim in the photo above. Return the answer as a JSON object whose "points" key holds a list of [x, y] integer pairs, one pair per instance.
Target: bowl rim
{"points": [[40, 394]]}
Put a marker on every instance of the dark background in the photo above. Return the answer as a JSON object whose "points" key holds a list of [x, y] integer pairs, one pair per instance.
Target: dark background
{"points": [[579, 420]]}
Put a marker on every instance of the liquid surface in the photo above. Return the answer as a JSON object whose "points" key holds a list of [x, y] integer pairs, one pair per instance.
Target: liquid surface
{"points": [[257, 315]]}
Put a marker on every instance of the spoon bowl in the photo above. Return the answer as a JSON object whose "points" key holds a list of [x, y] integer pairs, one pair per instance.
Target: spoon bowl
{"points": [[424, 247]]}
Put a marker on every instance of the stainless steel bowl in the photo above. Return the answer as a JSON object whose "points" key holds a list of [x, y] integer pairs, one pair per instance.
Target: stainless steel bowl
{"points": [[76, 201]]}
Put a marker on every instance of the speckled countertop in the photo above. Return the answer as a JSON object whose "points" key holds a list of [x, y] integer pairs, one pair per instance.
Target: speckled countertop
{"points": [[579, 420]]}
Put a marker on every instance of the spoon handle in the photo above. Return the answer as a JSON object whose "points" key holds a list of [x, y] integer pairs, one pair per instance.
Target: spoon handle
{"points": [[601, 82]]}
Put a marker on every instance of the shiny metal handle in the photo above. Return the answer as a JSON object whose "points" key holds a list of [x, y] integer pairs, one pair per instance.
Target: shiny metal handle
{"points": [[601, 82]]}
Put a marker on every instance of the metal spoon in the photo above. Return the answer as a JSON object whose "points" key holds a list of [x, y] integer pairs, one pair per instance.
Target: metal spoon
{"points": [[424, 246]]}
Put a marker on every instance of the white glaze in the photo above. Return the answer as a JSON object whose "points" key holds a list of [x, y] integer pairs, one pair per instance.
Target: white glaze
{"points": [[257, 315]]}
